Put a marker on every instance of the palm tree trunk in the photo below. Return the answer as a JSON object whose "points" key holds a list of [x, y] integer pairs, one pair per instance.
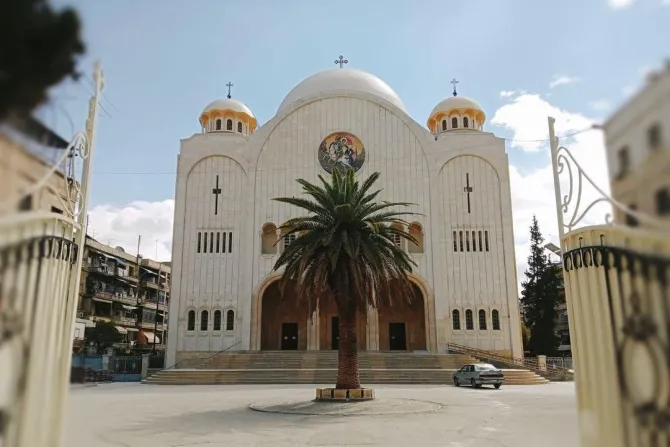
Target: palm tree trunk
{"points": [[348, 374]]}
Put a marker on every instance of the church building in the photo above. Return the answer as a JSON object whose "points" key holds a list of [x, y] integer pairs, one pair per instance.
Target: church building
{"points": [[226, 226]]}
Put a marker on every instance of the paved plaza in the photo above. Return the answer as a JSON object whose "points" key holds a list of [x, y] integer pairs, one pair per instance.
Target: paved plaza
{"points": [[135, 415]]}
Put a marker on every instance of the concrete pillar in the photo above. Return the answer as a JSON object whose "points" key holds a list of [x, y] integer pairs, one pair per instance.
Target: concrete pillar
{"points": [[105, 362], [373, 329], [313, 331], [542, 362], [145, 366]]}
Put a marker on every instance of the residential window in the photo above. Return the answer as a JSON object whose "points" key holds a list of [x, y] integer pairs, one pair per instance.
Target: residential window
{"points": [[481, 246], [191, 321], [230, 242], [456, 319], [467, 241], [239, 127], [469, 322], [211, 242], [288, 239], [486, 239], [229, 125], [199, 242], [26, 204], [204, 320], [624, 161], [631, 220], [268, 238], [466, 122], [454, 123], [218, 241], [495, 320], [663, 202], [217, 320], [204, 246], [230, 320], [455, 242], [482, 320], [460, 237], [654, 137], [474, 245], [56, 210]]}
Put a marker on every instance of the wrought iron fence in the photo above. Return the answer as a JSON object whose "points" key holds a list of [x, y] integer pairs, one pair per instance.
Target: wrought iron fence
{"points": [[560, 362], [126, 368]]}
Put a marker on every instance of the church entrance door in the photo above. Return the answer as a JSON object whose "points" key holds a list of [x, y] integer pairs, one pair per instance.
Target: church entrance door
{"points": [[397, 337], [335, 333], [289, 336]]}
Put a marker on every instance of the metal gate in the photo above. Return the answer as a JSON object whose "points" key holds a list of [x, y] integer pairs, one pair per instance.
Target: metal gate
{"points": [[126, 368]]}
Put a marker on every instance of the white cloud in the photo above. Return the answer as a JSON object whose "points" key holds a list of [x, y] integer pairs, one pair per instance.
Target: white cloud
{"points": [[562, 80], [619, 4], [533, 192], [121, 226], [527, 116], [509, 93]]}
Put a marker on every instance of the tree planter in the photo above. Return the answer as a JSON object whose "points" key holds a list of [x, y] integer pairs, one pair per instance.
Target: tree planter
{"points": [[343, 395]]}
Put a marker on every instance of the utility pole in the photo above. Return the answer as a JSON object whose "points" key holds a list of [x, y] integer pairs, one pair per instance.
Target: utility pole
{"points": [[157, 304]]}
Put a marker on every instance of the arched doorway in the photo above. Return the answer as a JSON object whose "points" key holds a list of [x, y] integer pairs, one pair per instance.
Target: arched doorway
{"points": [[402, 327], [329, 326], [283, 320]]}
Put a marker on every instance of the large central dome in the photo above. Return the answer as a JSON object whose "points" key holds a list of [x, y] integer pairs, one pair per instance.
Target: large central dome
{"points": [[341, 79]]}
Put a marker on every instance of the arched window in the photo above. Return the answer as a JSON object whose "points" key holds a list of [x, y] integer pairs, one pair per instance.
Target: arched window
{"points": [[444, 124], [456, 319], [416, 232], [454, 123], [495, 320], [397, 239], [469, 323], [204, 320], [466, 123], [239, 126], [230, 320], [268, 239], [191, 321], [229, 125], [217, 320], [218, 124], [482, 320]]}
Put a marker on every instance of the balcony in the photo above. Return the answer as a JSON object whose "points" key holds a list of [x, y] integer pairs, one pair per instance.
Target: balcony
{"points": [[126, 276], [151, 304], [111, 296], [152, 285], [124, 321], [151, 325], [99, 268]]}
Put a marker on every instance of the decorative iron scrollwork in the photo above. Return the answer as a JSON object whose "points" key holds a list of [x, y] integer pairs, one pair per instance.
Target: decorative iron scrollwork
{"points": [[641, 332]]}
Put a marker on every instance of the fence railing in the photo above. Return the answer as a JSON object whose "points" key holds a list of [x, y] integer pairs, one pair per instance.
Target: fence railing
{"points": [[554, 373]]}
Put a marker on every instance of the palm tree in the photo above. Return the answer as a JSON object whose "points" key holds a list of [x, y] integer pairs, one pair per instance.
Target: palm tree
{"points": [[346, 251]]}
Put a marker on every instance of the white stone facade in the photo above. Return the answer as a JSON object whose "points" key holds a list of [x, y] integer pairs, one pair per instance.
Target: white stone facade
{"points": [[429, 170]]}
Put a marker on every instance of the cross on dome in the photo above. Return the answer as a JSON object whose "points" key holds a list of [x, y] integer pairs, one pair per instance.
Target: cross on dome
{"points": [[229, 85], [454, 82], [341, 61]]}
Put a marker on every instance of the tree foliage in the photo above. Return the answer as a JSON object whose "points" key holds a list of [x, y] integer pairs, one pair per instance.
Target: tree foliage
{"points": [[104, 335], [540, 295], [39, 48], [346, 252]]}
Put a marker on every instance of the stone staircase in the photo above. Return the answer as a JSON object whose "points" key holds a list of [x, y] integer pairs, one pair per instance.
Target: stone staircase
{"points": [[303, 367]]}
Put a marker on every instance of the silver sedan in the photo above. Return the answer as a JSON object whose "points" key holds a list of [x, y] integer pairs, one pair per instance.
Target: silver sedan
{"points": [[479, 374]]}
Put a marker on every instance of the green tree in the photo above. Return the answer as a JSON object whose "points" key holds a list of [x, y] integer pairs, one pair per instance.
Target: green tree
{"points": [[39, 48], [540, 296], [346, 251], [525, 336], [104, 335]]}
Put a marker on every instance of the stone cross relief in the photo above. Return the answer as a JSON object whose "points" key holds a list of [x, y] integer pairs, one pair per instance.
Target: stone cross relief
{"points": [[468, 189], [217, 192]]}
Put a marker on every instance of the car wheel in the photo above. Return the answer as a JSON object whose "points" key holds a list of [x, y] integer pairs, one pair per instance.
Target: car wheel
{"points": [[473, 383], [497, 386], [456, 382]]}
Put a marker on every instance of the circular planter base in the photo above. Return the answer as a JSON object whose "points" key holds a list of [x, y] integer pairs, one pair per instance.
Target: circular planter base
{"points": [[338, 395]]}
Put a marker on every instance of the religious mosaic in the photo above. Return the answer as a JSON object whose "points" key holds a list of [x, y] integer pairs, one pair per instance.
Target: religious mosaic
{"points": [[341, 150]]}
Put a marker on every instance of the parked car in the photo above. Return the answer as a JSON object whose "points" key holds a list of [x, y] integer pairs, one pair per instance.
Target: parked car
{"points": [[479, 374]]}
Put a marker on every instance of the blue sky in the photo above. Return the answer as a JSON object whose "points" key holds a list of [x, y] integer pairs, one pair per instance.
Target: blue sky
{"points": [[165, 60]]}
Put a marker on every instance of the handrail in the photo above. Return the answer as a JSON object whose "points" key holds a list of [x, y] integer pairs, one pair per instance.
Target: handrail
{"points": [[206, 358], [556, 372]]}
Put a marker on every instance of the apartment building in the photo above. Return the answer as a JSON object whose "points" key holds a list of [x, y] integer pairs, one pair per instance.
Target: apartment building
{"points": [[28, 150], [129, 291], [637, 137]]}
